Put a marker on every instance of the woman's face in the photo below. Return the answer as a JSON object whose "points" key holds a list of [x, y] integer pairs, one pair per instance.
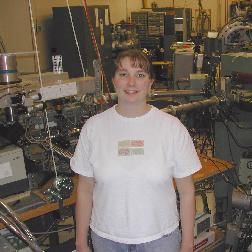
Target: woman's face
{"points": [[132, 84]]}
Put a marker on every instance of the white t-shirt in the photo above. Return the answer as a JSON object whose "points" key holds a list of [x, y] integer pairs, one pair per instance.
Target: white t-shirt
{"points": [[133, 161]]}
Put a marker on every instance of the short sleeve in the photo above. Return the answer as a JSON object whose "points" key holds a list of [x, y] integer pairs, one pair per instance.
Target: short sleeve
{"points": [[185, 156], [80, 162]]}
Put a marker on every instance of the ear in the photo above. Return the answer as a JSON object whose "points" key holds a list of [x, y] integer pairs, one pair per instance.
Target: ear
{"points": [[149, 89], [151, 82], [113, 82]]}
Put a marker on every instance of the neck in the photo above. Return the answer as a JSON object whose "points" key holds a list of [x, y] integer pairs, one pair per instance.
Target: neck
{"points": [[132, 110]]}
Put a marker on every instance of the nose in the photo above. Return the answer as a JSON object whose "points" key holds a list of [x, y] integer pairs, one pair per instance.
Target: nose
{"points": [[131, 81]]}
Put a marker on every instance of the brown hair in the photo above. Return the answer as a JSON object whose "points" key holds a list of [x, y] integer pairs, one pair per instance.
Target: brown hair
{"points": [[137, 58]]}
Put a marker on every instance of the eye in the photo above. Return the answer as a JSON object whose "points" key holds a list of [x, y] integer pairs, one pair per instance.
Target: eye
{"points": [[122, 74], [141, 75]]}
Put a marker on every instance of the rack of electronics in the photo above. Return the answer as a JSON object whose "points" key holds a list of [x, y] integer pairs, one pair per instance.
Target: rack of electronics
{"points": [[160, 27]]}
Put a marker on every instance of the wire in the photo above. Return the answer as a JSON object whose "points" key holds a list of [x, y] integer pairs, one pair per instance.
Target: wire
{"points": [[41, 84], [55, 223], [2, 96], [185, 3], [235, 171], [239, 126], [35, 43], [232, 157], [96, 48], [75, 38], [232, 135], [53, 232], [225, 178], [2, 45], [233, 119]]}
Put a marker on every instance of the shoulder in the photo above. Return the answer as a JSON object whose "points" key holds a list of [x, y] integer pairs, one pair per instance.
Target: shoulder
{"points": [[103, 116], [97, 123], [161, 115], [169, 123]]}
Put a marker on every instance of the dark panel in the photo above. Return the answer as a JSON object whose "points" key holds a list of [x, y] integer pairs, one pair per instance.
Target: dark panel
{"points": [[13, 188], [65, 45]]}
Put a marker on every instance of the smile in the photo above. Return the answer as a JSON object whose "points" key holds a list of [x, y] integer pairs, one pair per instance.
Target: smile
{"points": [[131, 91]]}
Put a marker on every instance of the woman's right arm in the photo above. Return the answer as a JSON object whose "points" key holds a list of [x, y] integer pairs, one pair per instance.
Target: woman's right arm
{"points": [[83, 212]]}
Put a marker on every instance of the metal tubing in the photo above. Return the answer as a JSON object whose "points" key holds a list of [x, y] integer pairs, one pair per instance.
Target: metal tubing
{"points": [[183, 108], [168, 93], [241, 200], [176, 93], [19, 228]]}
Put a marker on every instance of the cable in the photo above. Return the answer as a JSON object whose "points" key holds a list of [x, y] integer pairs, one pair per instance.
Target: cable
{"points": [[232, 158], [246, 234], [233, 137], [229, 117], [44, 234], [96, 48], [225, 178], [2, 45], [51, 146], [53, 232], [2, 96], [185, 3], [35, 43], [235, 171], [75, 38], [41, 84]]}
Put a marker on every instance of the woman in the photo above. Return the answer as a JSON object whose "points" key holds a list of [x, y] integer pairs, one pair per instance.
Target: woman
{"points": [[127, 158]]}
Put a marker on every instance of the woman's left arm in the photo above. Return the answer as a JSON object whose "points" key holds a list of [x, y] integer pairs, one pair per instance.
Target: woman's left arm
{"points": [[185, 187]]}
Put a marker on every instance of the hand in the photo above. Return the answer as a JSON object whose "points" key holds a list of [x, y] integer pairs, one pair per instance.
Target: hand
{"points": [[83, 249], [186, 248], [183, 250]]}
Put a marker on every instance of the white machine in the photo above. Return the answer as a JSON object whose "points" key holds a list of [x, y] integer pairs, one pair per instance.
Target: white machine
{"points": [[13, 177]]}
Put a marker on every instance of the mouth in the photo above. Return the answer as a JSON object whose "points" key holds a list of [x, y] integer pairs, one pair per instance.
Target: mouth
{"points": [[130, 92]]}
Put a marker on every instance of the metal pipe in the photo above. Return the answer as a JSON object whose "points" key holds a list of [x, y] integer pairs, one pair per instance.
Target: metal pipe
{"points": [[15, 218], [241, 201], [8, 69], [19, 228], [176, 93], [183, 108], [168, 93], [62, 152], [57, 149]]}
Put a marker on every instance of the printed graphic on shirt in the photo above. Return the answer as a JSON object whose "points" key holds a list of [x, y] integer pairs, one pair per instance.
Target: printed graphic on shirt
{"points": [[130, 147]]}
